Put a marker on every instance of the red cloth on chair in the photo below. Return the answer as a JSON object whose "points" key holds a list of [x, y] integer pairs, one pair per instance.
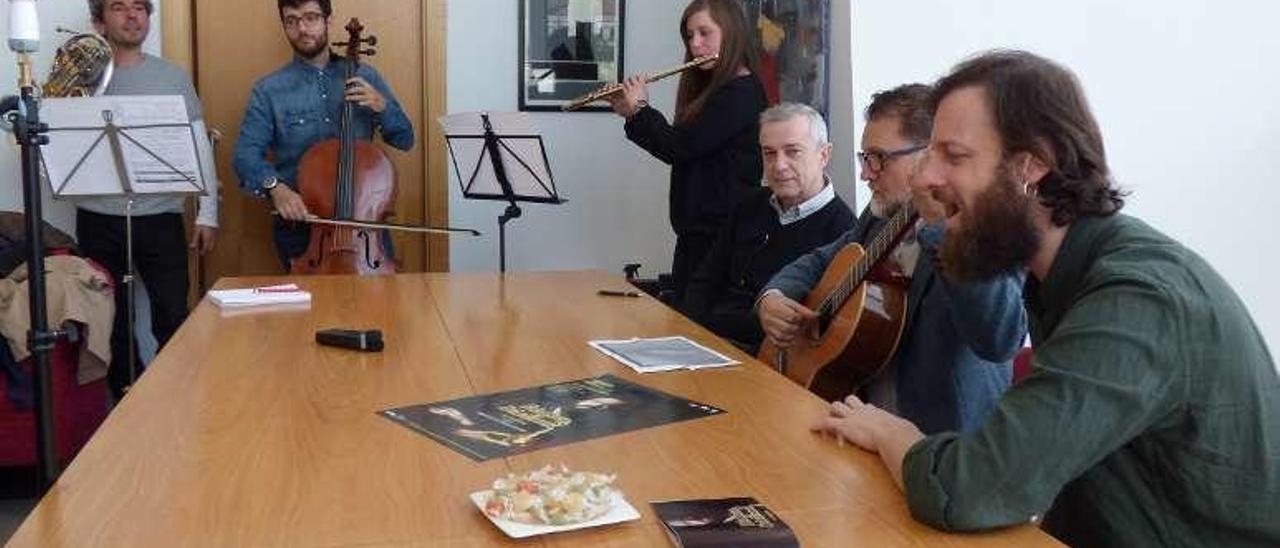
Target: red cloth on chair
{"points": [[1022, 364], [77, 411]]}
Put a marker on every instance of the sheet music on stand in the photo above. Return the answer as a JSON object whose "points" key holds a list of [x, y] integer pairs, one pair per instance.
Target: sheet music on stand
{"points": [[122, 145], [500, 156], [522, 156]]}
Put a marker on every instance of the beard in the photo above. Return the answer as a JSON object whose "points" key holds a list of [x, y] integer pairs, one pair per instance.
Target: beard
{"points": [[322, 43], [996, 236], [882, 209], [122, 39], [883, 205]]}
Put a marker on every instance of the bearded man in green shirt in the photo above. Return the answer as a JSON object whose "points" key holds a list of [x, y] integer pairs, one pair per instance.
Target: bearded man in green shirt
{"points": [[1152, 414]]}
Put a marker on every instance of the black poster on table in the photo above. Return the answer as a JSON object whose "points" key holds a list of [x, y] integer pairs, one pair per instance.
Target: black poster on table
{"points": [[509, 423]]}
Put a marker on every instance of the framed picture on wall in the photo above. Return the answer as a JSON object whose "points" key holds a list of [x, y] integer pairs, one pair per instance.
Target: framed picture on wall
{"points": [[795, 43], [568, 48]]}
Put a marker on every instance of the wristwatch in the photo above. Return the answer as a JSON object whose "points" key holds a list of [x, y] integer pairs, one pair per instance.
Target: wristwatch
{"points": [[639, 107], [270, 183]]}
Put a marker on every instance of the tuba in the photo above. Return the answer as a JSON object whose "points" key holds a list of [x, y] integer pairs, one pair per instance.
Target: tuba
{"points": [[81, 68]]}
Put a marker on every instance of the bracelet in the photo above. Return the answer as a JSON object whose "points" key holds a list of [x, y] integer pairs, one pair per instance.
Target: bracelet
{"points": [[639, 107]]}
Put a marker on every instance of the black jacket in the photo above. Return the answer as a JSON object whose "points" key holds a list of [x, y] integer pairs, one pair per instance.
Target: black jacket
{"points": [[715, 158], [751, 248]]}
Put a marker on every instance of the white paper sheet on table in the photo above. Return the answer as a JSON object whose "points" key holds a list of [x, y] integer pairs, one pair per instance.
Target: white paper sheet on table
{"points": [[260, 296], [662, 354]]}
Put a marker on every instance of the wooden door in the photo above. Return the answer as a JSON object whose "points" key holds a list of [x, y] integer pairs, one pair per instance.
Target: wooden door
{"points": [[236, 42]]}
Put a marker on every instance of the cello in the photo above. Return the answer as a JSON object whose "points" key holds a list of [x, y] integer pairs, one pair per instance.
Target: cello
{"points": [[350, 183]]}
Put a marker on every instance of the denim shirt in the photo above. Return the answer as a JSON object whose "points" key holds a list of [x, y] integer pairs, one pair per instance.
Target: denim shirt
{"points": [[953, 361], [300, 105]]}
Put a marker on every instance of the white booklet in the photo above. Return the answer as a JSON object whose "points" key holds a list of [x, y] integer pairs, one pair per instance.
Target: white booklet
{"points": [[662, 354], [259, 296]]}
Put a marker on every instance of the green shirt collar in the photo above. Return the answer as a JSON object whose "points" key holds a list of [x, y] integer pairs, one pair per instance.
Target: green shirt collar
{"points": [[1048, 300]]}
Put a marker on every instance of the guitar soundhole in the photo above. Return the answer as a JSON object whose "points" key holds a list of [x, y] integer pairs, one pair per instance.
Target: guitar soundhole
{"points": [[824, 322]]}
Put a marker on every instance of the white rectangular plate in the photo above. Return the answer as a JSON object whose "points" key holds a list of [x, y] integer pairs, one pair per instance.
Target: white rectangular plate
{"points": [[621, 511]]}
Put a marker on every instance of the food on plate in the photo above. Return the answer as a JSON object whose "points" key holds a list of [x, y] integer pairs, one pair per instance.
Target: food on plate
{"points": [[551, 496]]}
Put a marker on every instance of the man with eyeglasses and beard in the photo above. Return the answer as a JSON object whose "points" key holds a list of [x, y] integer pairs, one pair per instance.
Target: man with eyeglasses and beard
{"points": [[300, 105], [1152, 414], [953, 360]]}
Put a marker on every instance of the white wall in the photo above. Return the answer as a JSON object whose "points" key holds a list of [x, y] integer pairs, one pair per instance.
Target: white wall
{"points": [[617, 210], [1185, 92], [70, 14]]}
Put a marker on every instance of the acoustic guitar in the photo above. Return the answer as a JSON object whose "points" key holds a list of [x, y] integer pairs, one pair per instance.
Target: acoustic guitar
{"points": [[860, 320]]}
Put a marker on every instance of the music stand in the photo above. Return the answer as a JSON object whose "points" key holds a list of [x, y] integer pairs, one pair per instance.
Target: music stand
{"points": [[122, 146], [516, 170]]}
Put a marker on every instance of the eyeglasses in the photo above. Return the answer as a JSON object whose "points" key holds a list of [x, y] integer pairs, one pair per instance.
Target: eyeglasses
{"points": [[874, 160], [310, 18]]}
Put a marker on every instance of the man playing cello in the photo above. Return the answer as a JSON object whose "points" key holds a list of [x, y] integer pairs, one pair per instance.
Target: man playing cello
{"points": [[300, 105]]}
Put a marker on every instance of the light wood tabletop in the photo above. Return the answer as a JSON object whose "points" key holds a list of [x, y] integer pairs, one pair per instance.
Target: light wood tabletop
{"points": [[245, 432]]}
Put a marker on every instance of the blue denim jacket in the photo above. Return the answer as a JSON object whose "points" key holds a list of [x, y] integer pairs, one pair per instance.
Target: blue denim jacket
{"points": [[299, 105], [955, 357]]}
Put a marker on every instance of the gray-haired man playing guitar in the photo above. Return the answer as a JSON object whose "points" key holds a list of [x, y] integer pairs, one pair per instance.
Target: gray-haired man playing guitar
{"points": [[953, 359]]}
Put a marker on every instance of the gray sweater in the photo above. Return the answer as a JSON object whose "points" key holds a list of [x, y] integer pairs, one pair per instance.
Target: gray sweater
{"points": [[155, 76]]}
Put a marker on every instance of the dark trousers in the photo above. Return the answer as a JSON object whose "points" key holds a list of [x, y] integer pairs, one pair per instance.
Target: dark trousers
{"points": [[159, 257], [291, 239], [690, 250]]}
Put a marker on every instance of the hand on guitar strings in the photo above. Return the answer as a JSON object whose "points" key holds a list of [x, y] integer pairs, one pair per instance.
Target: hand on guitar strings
{"points": [[783, 319]]}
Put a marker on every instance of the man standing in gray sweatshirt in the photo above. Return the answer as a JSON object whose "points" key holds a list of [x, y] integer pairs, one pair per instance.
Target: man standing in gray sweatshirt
{"points": [[159, 239]]}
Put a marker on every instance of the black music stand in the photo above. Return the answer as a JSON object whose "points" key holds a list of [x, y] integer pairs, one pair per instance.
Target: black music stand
{"points": [[77, 163], [517, 169]]}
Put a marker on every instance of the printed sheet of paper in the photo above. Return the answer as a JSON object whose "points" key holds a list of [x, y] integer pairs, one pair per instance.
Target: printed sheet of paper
{"points": [[662, 354], [156, 139]]}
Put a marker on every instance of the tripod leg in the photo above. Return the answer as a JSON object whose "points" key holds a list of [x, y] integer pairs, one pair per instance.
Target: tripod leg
{"points": [[40, 339]]}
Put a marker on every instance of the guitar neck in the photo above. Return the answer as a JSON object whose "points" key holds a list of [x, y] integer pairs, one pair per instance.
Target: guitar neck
{"points": [[884, 242]]}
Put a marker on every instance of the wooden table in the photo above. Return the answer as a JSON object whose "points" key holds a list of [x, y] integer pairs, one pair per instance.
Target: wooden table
{"points": [[244, 432]]}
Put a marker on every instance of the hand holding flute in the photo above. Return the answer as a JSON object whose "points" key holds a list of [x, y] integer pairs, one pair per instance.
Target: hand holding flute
{"points": [[633, 96], [610, 92]]}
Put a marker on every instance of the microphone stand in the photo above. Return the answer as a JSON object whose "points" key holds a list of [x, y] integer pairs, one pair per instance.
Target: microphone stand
{"points": [[40, 340]]}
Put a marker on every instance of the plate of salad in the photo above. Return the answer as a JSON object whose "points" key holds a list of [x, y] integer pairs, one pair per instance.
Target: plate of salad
{"points": [[551, 500]]}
